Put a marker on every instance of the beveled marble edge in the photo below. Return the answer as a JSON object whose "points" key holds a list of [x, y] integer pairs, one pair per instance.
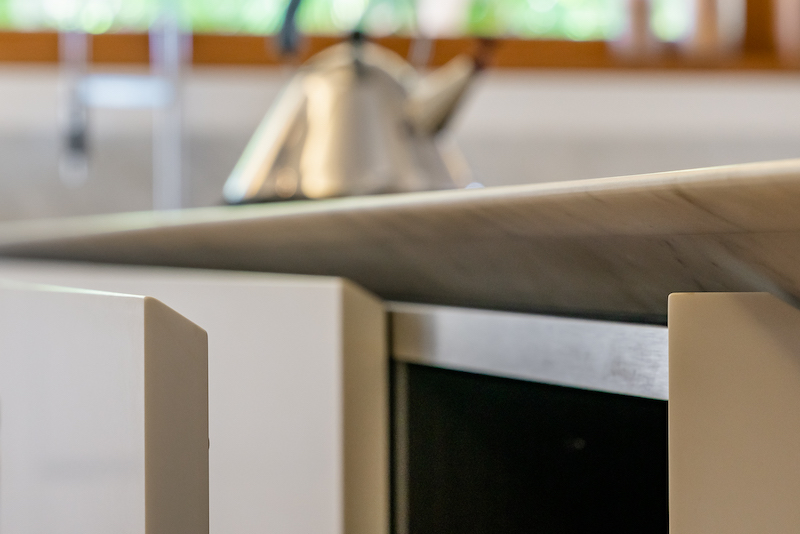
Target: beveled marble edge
{"points": [[552, 197], [606, 248]]}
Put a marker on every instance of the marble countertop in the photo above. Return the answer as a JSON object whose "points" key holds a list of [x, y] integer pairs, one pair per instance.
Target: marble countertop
{"points": [[610, 248]]}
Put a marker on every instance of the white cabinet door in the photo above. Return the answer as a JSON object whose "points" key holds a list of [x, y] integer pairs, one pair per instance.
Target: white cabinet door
{"points": [[103, 414], [734, 414], [298, 392]]}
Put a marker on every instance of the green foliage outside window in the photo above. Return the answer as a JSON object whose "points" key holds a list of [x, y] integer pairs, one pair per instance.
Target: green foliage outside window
{"points": [[543, 19]]}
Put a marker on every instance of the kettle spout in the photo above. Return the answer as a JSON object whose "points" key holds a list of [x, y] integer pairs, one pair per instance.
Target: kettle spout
{"points": [[433, 100]]}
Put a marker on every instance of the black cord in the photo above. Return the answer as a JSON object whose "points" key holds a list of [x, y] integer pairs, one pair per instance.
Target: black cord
{"points": [[288, 37]]}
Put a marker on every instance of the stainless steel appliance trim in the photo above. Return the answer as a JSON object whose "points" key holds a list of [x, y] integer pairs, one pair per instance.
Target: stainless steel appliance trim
{"points": [[624, 358]]}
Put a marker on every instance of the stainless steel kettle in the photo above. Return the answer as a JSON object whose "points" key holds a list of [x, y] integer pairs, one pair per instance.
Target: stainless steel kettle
{"points": [[356, 119]]}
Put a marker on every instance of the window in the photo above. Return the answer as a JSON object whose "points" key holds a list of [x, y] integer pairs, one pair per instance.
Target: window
{"points": [[531, 19]]}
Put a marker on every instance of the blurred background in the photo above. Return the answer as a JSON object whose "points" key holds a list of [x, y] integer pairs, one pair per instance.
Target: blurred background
{"points": [[121, 105]]}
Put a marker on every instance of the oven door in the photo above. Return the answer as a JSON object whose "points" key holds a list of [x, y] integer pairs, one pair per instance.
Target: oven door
{"points": [[520, 423]]}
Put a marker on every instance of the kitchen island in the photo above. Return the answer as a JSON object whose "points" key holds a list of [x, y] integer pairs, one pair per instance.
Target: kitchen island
{"points": [[608, 252]]}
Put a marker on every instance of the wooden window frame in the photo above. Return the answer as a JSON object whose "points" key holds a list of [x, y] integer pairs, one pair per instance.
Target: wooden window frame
{"points": [[245, 50]]}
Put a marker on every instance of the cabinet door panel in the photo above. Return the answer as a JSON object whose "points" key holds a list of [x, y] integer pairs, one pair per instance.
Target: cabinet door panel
{"points": [[734, 414], [98, 393], [298, 390]]}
